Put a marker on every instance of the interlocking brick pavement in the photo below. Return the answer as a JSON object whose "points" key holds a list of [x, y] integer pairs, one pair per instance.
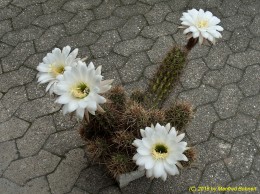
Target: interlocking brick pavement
{"points": [[40, 149]]}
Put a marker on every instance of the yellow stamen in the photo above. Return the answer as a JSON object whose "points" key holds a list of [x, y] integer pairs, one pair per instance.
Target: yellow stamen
{"points": [[57, 69], [80, 91], [203, 23], [160, 151]]}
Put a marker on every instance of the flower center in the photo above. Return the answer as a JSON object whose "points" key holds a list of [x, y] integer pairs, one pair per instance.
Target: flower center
{"points": [[160, 151], [57, 69], [203, 23], [80, 91]]}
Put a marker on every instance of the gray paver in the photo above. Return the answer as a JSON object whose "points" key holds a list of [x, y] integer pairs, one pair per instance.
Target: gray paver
{"points": [[241, 157], [127, 47], [43, 163], [63, 141], [255, 43], [5, 26], [36, 135], [37, 185], [105, 43], [25, 3], [254, 26], [51, 6], [229, 8], [76, 190], [5, 49], [250, 82], [132, 27], [9, 12], [236, 21], [240, 39], [9, 187], [16, 58], [8, 153], [13, 128], [77, 5], [251, 106], [228, 101], [106, 8], [160, 49], [30, 110], [199, 128], [157, 13], [195, 70], [66, 174], [131, 10], [233, 127]]}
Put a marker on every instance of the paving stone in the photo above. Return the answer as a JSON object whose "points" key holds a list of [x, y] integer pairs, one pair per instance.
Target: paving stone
{"points": [[51, 6], [241, 157], [199, 128], [236, 21], [250, 82], [128, 47], [140, 185], [76, 190], [105, 43], [215, 175], [37, 185], [42, 163], [77, 5], [181, 39], [128, 2], [35, 137], [27, 34], [224, 76], [256, 136], [157, 13], [34, 60], [174, 17], [256, 163], [59, 17], [4, 3], [106, 24], [240, 40], [254, 26], [134, 67], [150, 71], [66, 174], [157, 30], [25, 3], [93, 179], [244, 59], [106, 8], [199, 96], [4, 113], [110, 190], [16, 58], [176, 184], [110, 62], [250, 181], [64, 122], [251, 106], [5, 26], [132, 27], [218, 55], [9, 12], [151, 2], [8, 187], [228, 101], [83, 39], [35, 90], [4, 49], [160, 49], [198, 51], [234, 127], [14, 98], [131, 10], [27, 16], [13, 128], [30, 110], [249, 9], [63, 141], [8, 154], [113, 75], [49, 39], [16, 78], [178, 5], [137, 85], [255, 43], [211, 151], [229, 8], [198, 4], [79, 22], [193, 73]]}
